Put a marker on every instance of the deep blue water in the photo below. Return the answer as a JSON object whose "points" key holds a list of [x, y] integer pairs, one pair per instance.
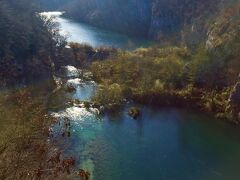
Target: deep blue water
{"points": [[162, 144]]}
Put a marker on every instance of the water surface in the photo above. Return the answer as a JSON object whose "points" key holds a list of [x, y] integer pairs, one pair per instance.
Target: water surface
{"points": [[96, 37], [164, 143]]}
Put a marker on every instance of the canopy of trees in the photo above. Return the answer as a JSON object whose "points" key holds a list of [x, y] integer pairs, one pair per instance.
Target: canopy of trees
{"points": [[27, 46]]}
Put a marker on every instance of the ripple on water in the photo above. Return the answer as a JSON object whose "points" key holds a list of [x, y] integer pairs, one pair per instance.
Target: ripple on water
{"points": [[76, 114]]}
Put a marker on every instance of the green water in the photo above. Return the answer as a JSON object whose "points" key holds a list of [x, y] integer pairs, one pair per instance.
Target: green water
{"points": [[161, 144]]}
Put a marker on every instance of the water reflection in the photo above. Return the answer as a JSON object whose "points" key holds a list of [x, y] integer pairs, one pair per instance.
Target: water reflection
{"points": [[85, 33]]}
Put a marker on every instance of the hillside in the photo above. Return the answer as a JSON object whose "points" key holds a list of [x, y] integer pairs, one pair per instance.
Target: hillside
{"points": [[82, 102], [27, 46], [172, 21]]}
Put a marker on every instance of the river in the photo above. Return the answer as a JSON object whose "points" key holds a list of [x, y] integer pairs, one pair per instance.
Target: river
{"points": [[96, 37], [164, 143]]}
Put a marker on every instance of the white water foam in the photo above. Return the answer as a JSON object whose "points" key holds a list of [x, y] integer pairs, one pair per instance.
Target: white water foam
{"points": [[71, 71], [77, 113], [52, 14], [75, 82]]}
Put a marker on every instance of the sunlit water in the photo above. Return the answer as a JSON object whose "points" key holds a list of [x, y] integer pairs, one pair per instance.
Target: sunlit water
{"points": [[161, 144], [85, 33]]}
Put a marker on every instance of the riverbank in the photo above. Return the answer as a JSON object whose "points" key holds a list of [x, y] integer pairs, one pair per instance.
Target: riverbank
{"points": [[166, 77], [160, 76], [109, 144]]}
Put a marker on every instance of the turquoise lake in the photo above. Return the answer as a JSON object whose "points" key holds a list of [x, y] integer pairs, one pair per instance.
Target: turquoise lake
{"points": [[164, 143]]}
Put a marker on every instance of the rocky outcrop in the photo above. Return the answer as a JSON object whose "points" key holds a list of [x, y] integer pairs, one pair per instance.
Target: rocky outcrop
{"points": [[178, 21], [234, 101], [223, 41], [181, 21], [126, 16], [225, 28]]}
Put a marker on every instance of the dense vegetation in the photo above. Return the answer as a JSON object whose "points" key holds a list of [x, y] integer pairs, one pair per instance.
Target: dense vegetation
{"points": [[168, 76], [27, 49], [201, 71], [23, 134]]}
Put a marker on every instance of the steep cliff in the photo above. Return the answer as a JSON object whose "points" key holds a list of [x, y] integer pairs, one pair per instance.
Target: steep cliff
{"points": [[174, 21], [126, 16], [234, 102]]}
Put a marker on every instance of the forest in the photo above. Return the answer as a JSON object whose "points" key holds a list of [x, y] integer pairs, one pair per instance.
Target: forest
{"points": [[71, 108]]}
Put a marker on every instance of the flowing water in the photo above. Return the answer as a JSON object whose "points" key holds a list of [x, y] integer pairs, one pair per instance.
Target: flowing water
{"points": [[164, 143]]}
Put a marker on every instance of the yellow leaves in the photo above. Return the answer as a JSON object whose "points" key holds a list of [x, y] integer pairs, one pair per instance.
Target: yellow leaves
{"points": [[155, 52], [158, 85], [215, 101], [145, 68], [109, 94], [115, 91], [158, 61]]}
